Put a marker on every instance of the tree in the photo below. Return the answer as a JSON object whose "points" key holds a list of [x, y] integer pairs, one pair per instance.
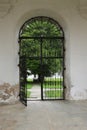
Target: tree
{"points": [[32, 50]]}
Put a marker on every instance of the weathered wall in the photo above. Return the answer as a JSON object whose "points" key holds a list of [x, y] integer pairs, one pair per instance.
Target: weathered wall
{"points": [[72, 17]]}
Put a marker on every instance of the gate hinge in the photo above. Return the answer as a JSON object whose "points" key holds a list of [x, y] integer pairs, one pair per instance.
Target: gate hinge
{"points": [[64, 50], [18, 65], [64, 87], [64, 68], [18, 53], [18, 40]]}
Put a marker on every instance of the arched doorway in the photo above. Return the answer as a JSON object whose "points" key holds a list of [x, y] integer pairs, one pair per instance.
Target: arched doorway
{"points": [[41, 55]]}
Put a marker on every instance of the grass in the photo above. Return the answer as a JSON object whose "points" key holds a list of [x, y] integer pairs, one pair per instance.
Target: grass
{"points": [[28, 94], [30, 80], [53, 93], [53, 83], [53, 86], [29, 85], [54, 79], [49, 84]]}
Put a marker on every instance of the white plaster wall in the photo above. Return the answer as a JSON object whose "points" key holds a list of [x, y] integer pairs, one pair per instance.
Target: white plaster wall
{"points": [[75, 28]]}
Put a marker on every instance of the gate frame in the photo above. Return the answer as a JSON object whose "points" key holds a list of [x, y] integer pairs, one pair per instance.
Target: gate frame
{"points": [[56, 24]]}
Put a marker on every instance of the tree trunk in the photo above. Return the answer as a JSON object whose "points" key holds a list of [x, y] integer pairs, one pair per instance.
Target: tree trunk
{"points": [[40, 78]]}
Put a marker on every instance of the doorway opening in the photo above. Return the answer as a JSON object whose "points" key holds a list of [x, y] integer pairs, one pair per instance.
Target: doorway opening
{"points": [[41, 60]]}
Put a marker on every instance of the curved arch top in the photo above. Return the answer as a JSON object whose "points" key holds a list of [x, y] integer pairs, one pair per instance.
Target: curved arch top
{"points": [[41, 26]]}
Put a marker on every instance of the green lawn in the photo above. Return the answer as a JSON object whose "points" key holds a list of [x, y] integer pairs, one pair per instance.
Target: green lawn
{"points": [[28, 94], [30, 80], [49, 84], [53, 86], [29, 85], [53, 93], [53, 83], [53, 79]]}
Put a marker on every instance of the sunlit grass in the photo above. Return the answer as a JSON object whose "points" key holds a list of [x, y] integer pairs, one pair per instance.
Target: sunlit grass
{"points": [[52, 86], [28, 94], [53, 79], [53, 83], [53, 93], [29, 85], [30, 80]]}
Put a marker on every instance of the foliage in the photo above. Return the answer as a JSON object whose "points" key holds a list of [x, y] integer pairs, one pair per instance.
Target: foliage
{"points": [[41, 27], [50, 47]]}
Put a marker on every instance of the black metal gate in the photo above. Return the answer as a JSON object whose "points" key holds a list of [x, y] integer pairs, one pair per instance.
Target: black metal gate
{"points": [[23, 77], [46, 55]]}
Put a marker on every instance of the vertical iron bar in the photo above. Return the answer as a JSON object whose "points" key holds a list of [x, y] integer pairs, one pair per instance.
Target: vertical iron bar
{"points": [[41, 60], [55, 80], [63, 41]]}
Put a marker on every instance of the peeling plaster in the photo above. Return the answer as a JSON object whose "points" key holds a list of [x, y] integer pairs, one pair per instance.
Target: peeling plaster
{"points": [[8, 93]]}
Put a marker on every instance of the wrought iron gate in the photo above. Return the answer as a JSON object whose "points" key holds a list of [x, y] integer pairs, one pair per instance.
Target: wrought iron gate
{"points": [[53, 82], [46, 55], [23, 77]]}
